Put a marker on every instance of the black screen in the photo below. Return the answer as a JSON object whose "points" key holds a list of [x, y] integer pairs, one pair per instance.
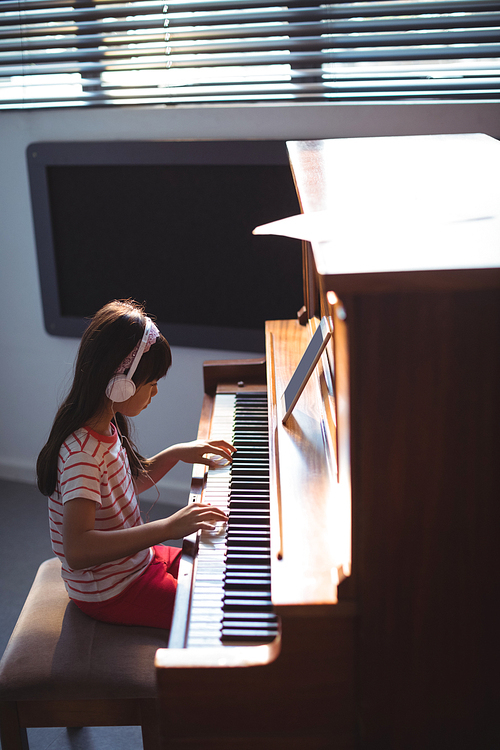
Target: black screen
{"points": [[177, 236]]}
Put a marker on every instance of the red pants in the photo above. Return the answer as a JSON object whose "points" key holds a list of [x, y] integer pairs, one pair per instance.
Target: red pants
{"points": [[149, 600]]}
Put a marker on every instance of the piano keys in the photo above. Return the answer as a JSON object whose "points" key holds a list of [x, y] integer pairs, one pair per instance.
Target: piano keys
{"points": [[231, 599]]}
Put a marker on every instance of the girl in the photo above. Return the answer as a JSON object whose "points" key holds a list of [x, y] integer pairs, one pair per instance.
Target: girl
{"points": [[115, 568]]}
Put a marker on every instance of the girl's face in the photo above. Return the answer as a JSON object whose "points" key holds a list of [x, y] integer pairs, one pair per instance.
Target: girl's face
{"points": [[139, 401]]}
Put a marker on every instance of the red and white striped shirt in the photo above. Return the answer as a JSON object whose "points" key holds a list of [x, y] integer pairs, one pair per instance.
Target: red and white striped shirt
{"points": [[95, 467]]}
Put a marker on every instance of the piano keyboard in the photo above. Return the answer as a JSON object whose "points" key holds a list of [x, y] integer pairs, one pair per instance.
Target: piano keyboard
{"points": [[231, 599]]}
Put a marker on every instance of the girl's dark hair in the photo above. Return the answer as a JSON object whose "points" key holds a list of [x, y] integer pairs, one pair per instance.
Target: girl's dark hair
{"points": [[112, 334]]}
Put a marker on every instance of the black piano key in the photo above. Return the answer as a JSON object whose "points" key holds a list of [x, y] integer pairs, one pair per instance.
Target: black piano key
{"points": [[255, 519], [250, 468], [256, 447], [259, 498], [235, 558], [241, 585], [247, 600], [250, 460], [252, 445], [251, 429], [243, 493], [254, 525], [236, 618], [240, 621], [238, 526], [249, 482], [245, 474], [248, 576], [243, 604], [246, 530], [247, 542], [250, 502], [245, 471], [260, 635]]}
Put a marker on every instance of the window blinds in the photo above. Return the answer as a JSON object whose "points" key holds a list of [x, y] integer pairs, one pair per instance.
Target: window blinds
{"points": [[101, 52]]}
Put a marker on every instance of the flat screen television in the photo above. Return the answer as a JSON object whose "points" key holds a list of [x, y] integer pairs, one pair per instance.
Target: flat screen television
{"points": [[167, 223]]}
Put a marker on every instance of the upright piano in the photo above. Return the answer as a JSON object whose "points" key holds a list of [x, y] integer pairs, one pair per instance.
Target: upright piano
{"points": [[350, 601]]}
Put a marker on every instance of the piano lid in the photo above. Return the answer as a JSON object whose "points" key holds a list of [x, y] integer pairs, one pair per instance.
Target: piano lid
{"points": [[374, 229]]}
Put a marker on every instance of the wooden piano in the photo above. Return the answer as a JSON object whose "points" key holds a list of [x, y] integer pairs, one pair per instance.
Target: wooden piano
{"points": [[350, 604]]}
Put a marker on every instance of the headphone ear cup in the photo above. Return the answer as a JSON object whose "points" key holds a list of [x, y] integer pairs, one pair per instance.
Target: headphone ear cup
{"points": [[120, 388]]}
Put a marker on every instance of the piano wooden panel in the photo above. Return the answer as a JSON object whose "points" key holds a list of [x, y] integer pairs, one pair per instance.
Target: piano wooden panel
{"points": [[424, 333], [426, 478], [311, 502]]}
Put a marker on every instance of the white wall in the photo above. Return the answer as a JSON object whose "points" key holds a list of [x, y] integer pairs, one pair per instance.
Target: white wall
{"points": [[35, 367]]}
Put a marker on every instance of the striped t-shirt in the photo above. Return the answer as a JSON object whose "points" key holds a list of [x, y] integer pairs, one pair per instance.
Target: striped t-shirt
{"points": [[95, 467]]}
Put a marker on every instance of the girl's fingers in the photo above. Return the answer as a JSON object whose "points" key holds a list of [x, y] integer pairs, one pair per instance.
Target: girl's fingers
{"points": [[215, 462], [223, 453], [207, 526], [222, 447], [204, 509], [223, 444]]}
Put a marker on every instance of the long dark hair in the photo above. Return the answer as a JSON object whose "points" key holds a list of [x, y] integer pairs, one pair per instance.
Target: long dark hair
{"points": [[111, 336]]}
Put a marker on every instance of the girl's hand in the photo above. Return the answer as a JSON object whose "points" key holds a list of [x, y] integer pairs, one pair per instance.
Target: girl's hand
{"points": [[196, 452], [193, 517]]}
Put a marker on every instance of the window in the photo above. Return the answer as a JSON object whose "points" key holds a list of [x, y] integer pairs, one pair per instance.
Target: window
{"points": [[103, 53]]}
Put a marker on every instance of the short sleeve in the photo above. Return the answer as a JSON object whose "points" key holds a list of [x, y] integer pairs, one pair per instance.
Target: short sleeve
{"points": [[80, 476]]}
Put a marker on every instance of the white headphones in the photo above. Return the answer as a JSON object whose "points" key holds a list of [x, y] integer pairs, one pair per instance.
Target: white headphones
{"points": [[122, 387]]}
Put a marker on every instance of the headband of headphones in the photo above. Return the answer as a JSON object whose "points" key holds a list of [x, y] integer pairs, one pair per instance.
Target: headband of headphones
{"points": [[121, 387]]}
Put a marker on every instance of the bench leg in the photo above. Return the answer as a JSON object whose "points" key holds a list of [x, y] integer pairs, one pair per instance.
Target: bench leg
{"points": [[12, 734]]}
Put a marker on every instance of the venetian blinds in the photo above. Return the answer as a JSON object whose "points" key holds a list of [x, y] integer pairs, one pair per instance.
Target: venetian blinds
{"points": [[102, 52]]}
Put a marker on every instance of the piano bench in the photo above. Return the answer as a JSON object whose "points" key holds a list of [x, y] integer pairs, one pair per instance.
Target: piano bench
{"points": [[61, 668]]}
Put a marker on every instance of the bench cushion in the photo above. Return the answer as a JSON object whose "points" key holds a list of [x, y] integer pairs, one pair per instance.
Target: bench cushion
{"points": [[58, 653]]}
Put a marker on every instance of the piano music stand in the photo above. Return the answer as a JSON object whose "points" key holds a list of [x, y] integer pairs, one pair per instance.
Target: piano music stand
{"points": [[305, 367]]}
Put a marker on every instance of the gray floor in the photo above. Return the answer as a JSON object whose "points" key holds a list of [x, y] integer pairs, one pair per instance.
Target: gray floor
{"points": [[24, 544]]}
